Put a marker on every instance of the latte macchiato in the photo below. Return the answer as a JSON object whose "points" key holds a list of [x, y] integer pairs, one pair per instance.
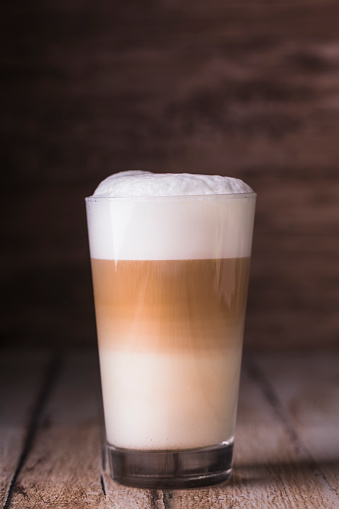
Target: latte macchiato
{"points": [[170, 263]]}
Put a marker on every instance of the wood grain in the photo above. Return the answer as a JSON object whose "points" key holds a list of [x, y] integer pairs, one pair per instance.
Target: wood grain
{"points": [[64, 465], [286, 453], [310, 396], [21, 377]]}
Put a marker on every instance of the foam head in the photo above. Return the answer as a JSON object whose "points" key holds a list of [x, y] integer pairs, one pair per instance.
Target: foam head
{"points": [[145, 183], [145, 216]]}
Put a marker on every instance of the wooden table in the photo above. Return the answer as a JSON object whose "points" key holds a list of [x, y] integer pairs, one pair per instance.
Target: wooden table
{"points": [[287, 441]]}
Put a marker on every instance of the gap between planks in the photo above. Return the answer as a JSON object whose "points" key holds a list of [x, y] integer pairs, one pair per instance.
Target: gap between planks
{"points": [[49, 379], [283, 414]]}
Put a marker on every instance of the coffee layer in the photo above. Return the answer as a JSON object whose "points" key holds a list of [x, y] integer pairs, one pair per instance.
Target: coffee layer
{"points": [[170, 305]]}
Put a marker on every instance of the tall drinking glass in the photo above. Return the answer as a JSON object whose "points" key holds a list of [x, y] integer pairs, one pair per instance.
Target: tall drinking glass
{"points": [[170, 278]]}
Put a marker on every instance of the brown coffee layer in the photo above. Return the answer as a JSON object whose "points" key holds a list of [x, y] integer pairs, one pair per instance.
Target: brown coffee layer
{"points": [[170, 304]]}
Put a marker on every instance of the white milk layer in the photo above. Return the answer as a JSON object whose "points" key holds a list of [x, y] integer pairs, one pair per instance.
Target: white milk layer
{"points": [[170, 401], [173, 224]]}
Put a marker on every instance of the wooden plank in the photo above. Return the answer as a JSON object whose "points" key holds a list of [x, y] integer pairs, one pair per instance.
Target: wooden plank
{"points": [[307, 386], [64, 466], [22, 375]]}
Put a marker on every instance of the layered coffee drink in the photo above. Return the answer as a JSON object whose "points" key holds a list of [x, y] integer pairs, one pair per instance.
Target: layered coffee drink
{"points": [[170, 261]]}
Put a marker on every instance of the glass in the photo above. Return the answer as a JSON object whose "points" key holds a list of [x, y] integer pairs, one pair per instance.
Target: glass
{"points": [[170, 279]]}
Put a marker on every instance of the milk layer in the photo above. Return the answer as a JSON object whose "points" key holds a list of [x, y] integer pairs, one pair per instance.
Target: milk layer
{"points": [[214, 224], [170, 400]]}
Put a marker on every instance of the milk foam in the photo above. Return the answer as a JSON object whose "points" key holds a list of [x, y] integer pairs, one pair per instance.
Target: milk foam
{"points": [[145, 183], [144, 216]]}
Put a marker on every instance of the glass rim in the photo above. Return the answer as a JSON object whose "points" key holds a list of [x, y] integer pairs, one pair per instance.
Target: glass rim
{"points": [[227, 196]]}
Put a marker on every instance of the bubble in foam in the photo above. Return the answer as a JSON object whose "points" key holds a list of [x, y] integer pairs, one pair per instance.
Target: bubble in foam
{"points": [[145, 183]]}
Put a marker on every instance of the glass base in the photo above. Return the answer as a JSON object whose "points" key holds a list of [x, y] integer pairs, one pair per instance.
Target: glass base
{"points": [[190, 468]]}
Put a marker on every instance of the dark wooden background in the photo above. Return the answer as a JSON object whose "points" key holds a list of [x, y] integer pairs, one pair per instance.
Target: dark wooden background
{"points": [[249, 89]]}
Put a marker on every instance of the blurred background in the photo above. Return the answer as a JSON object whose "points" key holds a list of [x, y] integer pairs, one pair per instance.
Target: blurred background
{"points": [[239, 88]]}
